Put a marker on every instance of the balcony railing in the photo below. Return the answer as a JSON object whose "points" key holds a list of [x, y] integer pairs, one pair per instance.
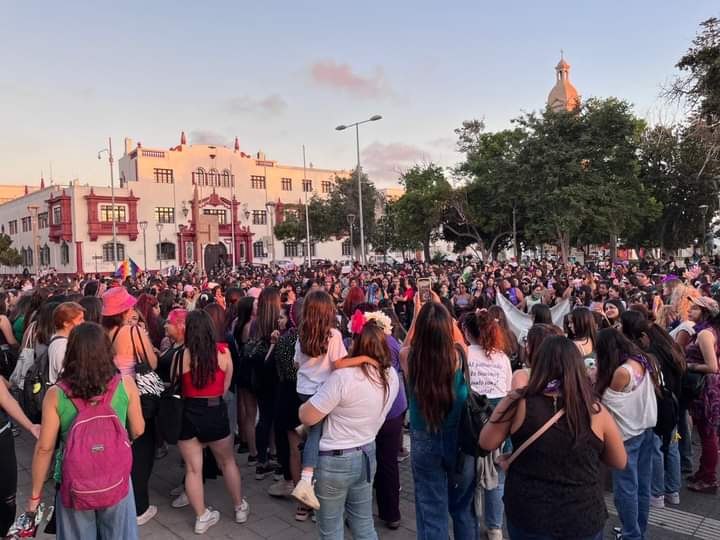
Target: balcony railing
{"points": [[213, 180]]}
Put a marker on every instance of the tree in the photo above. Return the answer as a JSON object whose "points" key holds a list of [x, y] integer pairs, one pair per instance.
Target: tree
{"points": [[420, 211], [9, 256]]}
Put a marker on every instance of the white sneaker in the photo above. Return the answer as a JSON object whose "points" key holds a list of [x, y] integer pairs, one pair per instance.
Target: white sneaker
{"points": [[181, 501], [146, 516], [207, 520], [177, 490], [242, 512], [281, 488], [305, 493], [495, 534], [672, 498], [657, 502]]}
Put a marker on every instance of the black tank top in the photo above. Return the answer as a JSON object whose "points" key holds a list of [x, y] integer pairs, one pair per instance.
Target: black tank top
{"points": [[554, 486]]}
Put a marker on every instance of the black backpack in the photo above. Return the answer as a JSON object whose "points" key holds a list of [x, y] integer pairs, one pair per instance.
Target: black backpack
{"points": [[37, 382], [668, 412]]}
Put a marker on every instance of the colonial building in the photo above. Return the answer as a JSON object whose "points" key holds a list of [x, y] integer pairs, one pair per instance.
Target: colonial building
{"points": [[190, 202], [563, 96]]}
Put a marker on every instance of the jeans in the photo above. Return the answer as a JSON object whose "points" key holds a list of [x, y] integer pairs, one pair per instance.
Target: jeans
{"points": [[709, 453], [631, 486], [8, 480], [143, 450], [665, 468], [116, 522], [343, 488], [312, 442], [685, 444], [519, 534], [492, 503], [387, 479], [444, 483]]}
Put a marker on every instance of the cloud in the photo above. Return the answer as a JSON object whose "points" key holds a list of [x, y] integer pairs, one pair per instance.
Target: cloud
{"points": [[386, 162], [207, 136], [271, 105], [341, 77]]}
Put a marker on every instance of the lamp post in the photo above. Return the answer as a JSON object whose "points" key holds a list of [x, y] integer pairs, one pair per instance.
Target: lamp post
{"points": [[112, 197], [343, 127], [351, 222], [307, 214], [159, 227], [143, 226], [703, 211], [270, 205], [97, 258], [33, 209]]}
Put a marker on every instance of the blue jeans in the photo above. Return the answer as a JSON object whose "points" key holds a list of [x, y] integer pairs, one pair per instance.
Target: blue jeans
{"points": [[117, 522], [442, 485], [631, 486], [665, 468], [343, 488], [311, 447], [685, 444], [489, 503], [519, 534]]}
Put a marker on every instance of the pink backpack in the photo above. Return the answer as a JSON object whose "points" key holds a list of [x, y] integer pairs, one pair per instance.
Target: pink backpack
{"points": [[97, 458]]}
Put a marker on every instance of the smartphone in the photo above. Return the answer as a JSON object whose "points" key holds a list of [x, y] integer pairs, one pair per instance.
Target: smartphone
{"points": [[424, 289]]}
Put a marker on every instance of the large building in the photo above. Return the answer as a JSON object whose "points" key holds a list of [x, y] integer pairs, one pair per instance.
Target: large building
{"points": [[188, 203]]}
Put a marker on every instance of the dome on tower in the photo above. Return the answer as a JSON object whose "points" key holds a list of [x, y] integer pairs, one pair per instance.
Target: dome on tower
{"points": [[563, 96]]}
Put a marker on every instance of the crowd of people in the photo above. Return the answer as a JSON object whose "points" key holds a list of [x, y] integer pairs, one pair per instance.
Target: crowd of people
{"points": [[313, 376]]}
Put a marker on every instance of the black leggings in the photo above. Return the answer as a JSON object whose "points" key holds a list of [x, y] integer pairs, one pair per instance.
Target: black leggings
{"points": [[143, 449], [8, 481]]}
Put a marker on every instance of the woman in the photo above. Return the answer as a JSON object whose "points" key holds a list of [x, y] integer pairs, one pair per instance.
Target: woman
{"points": [[353, 402], [444, 478], [626, 382], [131, 344], [66, 316], [149, 309], [490, 375], [541, 314], [89, 370], [461, 300], [582, 329], [702, 358], [510, 346], [671, 359], [247, 404], [9, 408], [8, 343], [93, 308], [613, 310], [553, 488], [537, 334], [206, 374]]}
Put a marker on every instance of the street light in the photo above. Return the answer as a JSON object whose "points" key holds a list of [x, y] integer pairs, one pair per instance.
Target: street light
{"points": [[270, 205], [703, 211], [343, 127], [159, 227], [351, 222], [143, 226], [112, 196]]}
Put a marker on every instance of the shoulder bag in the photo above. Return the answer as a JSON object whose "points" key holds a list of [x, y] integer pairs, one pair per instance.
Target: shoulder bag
{"points": [[475, 414], [170, 414], [505, 460]]}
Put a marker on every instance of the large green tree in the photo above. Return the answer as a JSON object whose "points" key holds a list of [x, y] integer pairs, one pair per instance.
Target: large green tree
{"points": [[9, 256], [420, 211]]}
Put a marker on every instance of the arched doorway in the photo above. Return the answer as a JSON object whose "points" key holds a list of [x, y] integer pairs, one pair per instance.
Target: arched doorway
{"points": [[215, 255]]}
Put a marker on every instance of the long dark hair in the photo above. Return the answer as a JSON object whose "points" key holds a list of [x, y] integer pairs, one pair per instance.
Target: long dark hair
{"points": [[217, 315], [536, 336], [268, 312], [200, 343], [145, 304], [244, 315], [371, 342], [559, 359], [634, 325], [45, 327], [317, 320], [541, 314], [88, 365], [583, 324], [613, 349], [432, 361]]}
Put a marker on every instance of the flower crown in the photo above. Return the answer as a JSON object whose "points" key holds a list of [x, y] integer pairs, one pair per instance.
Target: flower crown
{"points": [[359, 319]]}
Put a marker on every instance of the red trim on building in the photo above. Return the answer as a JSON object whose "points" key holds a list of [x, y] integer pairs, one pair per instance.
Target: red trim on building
{"points": [[97, 228], [63, 230], [79, 257]]}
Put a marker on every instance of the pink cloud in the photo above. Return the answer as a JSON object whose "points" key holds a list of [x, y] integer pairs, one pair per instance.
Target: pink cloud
{"points": [[341, 76], [386, 162]]}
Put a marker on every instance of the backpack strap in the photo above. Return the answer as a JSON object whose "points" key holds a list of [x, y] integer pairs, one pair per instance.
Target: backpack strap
{"points": [[115, 335], [110, 390], [81, 404]]}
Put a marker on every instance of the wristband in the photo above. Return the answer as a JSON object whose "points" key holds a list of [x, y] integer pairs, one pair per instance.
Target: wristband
{"points": [[36, 498]]}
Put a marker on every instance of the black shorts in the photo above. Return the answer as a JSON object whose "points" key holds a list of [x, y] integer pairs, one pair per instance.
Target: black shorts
{"points": [[205, 418], [288, 404]]}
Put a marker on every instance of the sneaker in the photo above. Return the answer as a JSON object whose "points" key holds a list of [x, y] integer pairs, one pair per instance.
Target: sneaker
{"points": [[672, 498], [207, 520], [174, 492], [657, 502], [272, 460], [242, 512], [278, 473], [281, 488], [393, 525], [252, 460], [494, 534], [302, 513], [181, 501], [146, 516], [305, 493], [263, 470]]}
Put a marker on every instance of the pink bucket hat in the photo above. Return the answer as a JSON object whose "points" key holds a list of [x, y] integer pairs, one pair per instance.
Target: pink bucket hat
{"points": [[117, 300]]}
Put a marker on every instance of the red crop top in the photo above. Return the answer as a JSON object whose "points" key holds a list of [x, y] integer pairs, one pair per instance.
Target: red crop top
{"points": [[213, 389]]}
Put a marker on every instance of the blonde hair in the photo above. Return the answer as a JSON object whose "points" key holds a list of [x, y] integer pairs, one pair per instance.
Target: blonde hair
{"points": [[679, 299], [666, 315]]}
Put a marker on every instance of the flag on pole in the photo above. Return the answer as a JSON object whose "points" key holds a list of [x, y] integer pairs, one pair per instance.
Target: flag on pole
{"points": [[127, 268]]}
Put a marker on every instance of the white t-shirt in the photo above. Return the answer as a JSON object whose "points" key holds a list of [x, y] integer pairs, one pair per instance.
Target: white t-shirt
{"points": [[312, 372], [490, 375], [356, 407], [56, 357]]}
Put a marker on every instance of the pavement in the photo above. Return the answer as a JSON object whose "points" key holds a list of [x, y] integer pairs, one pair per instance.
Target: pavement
{"points": [[697, 516]]}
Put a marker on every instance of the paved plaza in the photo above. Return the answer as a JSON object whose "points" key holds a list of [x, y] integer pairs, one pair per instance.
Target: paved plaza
{"points": [[698, 516]]}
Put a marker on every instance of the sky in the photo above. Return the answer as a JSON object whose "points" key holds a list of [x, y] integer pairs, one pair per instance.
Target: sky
{"points": [[280, 74]]}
